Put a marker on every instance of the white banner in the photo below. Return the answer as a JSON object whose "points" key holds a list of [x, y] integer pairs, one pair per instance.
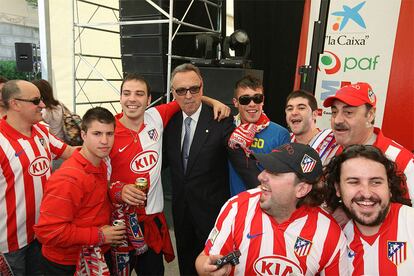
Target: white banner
{"points": [[359, 44]]}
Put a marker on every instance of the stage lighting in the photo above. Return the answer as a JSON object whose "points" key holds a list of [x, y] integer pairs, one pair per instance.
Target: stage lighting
{"points": [[206, 45], [239, 42], [206, 50]]}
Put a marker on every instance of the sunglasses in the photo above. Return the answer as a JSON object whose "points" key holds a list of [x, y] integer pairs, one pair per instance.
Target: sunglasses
{"points": [[245, 99], [183, 91], [35, 101]]}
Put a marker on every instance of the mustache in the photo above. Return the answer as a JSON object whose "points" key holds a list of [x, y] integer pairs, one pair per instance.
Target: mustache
{"points": [[362, 198], [340, 126]]}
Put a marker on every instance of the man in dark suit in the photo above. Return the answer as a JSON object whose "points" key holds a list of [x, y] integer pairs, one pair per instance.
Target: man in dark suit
{"points": [[196, 151]]}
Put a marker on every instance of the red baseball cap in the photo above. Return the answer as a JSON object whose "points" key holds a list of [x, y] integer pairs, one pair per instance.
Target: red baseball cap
{"points": [[354, 95]]}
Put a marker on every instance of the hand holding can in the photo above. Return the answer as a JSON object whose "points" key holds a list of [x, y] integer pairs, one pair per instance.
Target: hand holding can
{"points": [[142, 184]]}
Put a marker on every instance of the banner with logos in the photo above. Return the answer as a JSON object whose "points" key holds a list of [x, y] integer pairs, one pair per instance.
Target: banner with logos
{"points": [[359, 45]]}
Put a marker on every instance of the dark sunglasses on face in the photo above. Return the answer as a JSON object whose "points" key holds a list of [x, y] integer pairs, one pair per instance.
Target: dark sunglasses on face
{"points": [[183, 91], [245, 99], [35, 101]]}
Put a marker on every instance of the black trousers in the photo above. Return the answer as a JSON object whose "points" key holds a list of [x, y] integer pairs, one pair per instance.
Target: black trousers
{"points": [[52, 268], [190, 241]]}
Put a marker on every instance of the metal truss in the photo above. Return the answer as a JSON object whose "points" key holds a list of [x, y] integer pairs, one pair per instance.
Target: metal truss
{"points": [[86, 64]]}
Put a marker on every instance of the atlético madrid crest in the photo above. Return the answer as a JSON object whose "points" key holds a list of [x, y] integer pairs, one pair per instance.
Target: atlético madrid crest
{"points": [[397, 252], [307, 164], [302, 247]]}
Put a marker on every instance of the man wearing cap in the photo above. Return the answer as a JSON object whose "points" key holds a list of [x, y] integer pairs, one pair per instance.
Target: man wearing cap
{"points": [[278, 227], [353, 114]]}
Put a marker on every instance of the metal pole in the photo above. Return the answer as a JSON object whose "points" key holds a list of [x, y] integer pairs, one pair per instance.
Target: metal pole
{"points": [[43, 38], [74, 58], [170, 27]]}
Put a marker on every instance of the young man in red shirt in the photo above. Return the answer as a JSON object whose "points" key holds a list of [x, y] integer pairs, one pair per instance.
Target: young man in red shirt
{"points": [[75, 211]]}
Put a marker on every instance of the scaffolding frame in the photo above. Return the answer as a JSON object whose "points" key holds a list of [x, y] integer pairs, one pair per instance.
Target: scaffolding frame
{"points": [[80, 57]]}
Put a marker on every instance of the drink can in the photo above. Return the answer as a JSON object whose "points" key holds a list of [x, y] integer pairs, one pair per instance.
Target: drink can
{"points": [[142, 184], [118, 222]]}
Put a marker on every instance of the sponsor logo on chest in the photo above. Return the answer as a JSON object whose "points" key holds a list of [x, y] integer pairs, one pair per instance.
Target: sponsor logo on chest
{"points": [[276, 265], [144, 161], [39, 166]]}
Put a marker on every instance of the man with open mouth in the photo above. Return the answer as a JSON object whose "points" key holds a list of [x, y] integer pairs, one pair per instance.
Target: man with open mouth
{"points": [[367, 186], [278, 227]]}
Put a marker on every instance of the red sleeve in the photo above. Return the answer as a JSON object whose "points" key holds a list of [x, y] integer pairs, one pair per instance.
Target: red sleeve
{"points": [[167, 111], [115, 191], [62, 199]]}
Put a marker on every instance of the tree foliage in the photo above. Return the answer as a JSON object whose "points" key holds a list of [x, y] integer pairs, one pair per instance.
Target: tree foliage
{"points": [[8, 70], [32, 3]]}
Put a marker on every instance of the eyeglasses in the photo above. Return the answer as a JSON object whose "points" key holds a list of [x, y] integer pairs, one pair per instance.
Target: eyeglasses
{"points": [[35, 101], [245, 99], [183, 91]]}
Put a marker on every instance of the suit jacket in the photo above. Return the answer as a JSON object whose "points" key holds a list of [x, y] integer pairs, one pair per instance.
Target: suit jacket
{"points": [[204, 188]]}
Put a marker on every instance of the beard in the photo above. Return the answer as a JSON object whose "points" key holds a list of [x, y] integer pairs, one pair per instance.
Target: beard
{"points": [[382, 214]]}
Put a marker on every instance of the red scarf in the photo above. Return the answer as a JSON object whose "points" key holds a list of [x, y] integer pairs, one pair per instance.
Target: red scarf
{"points": [[91, 262], [135, 238], [5, 269], [243, 135]]}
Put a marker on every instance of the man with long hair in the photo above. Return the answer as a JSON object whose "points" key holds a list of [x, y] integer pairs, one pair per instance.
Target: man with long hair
{"points": [[367, 186]]}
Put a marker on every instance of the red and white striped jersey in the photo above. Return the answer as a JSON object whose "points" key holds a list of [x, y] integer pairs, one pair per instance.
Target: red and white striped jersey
{"points": [[310, 242], [402, 157], [390, 251], [25, 165], [139, 154], [324, 143]]}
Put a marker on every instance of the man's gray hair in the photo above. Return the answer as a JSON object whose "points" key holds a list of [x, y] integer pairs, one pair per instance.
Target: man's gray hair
{"points": [[185, 67]]}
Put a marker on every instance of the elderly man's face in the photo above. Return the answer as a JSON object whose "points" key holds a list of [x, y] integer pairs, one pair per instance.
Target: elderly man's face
{"points": [[189, 102], [351, 124]]}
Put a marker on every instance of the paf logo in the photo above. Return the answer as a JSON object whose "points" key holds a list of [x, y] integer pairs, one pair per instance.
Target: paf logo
{"points": [[39, 166], [276, 265], [144, 161], [330, 63], [348, 14]]}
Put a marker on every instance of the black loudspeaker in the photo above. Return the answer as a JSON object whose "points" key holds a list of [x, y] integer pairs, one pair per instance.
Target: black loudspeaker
{"points": [[24, 57], [219, 82], [144, 46]]}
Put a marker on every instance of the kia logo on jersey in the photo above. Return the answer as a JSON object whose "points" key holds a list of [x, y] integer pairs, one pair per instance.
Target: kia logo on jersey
{"points": [[276, 265], [39, 166], [144, 161]]}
